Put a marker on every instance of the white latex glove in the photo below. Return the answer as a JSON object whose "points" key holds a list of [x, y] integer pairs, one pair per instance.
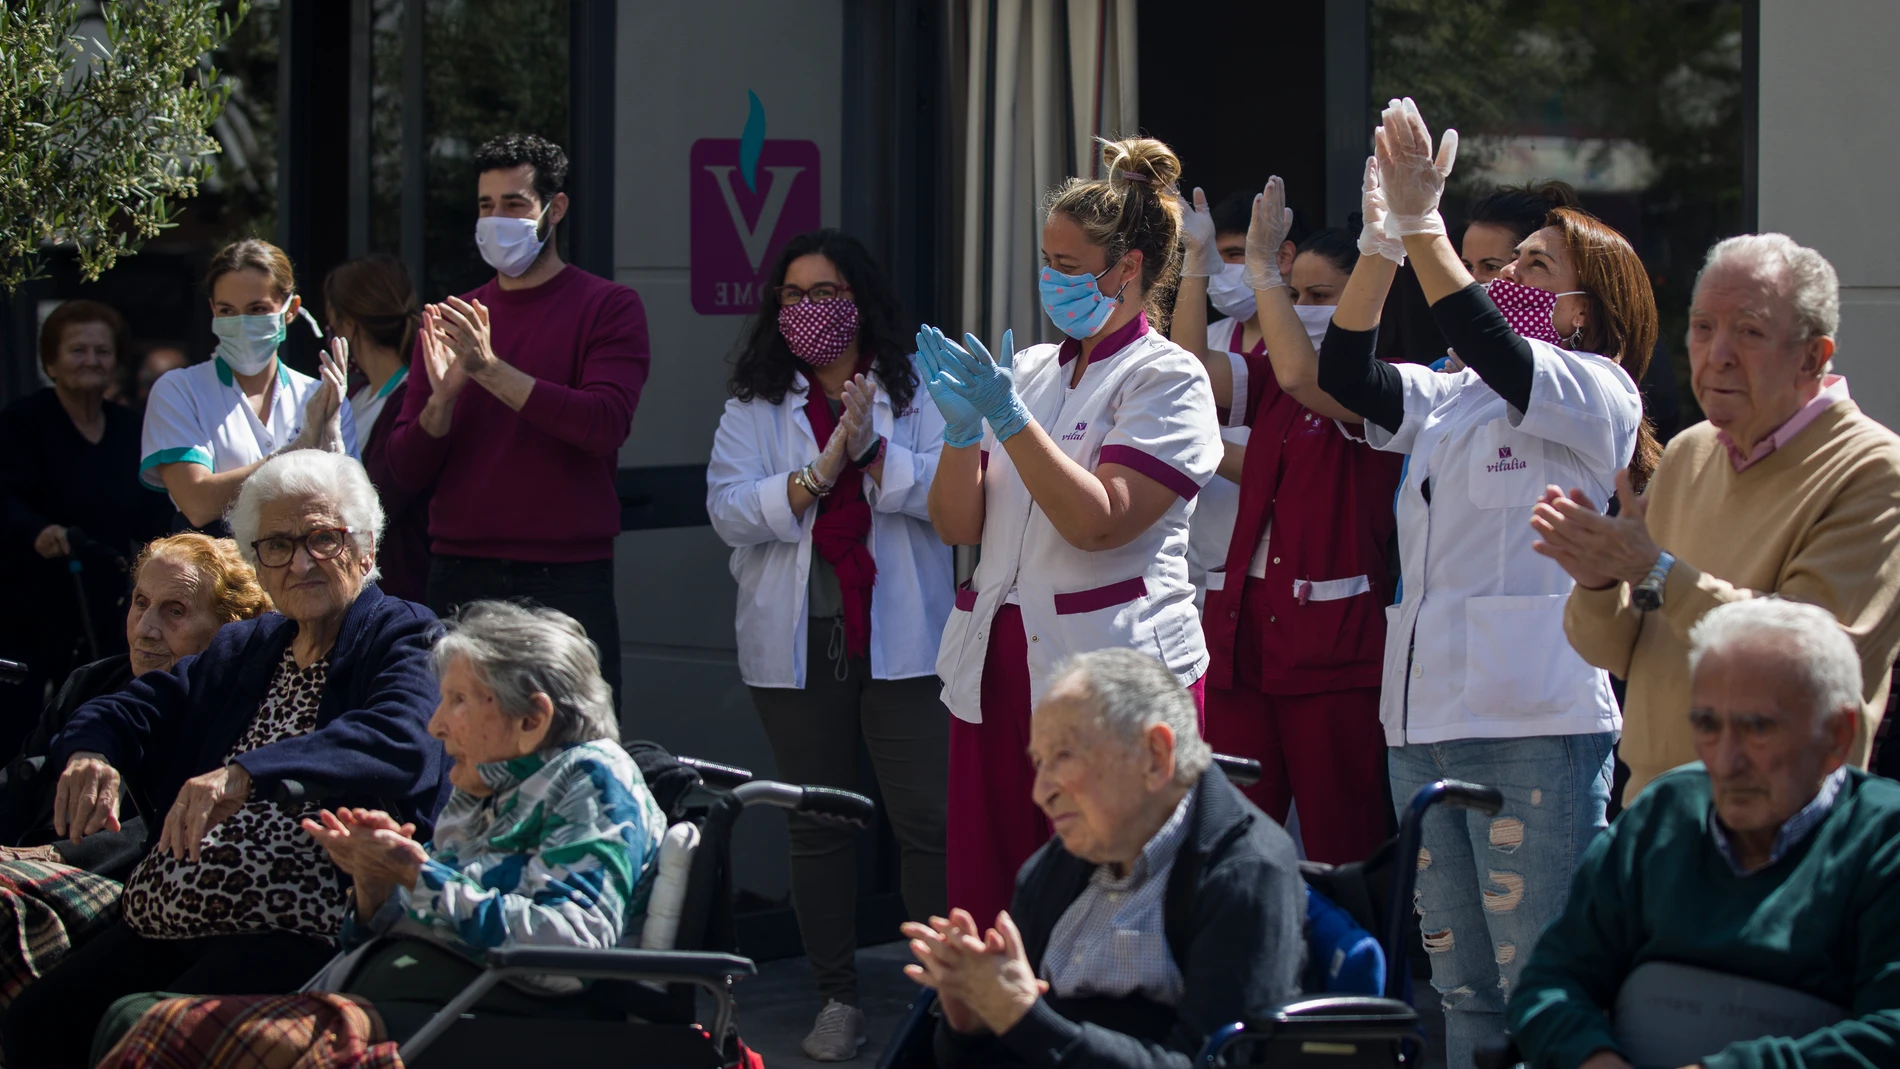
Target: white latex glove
{"points": [[1266, 232], [323, 413], [1413, 181], [1197, 229], [859, 394], [1373, 240]]}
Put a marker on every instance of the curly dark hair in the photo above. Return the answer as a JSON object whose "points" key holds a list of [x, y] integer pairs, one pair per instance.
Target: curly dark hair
{"points": [[764, 365], [512, 150]]}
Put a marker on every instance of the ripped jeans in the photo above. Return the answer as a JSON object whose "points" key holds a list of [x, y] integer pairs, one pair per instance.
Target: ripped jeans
{"points": [[1487, 886]]}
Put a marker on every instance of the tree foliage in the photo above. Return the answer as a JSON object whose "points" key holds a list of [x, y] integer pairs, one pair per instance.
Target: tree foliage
{"points": [[105, 116]]}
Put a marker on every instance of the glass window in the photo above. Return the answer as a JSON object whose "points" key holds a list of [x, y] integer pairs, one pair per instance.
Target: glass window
{"points": [[1635, 104]]}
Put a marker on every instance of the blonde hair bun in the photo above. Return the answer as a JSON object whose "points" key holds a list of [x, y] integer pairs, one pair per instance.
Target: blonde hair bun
{"points": [[1140, 161]]}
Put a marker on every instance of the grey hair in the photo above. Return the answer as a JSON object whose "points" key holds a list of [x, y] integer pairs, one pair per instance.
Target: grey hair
{"points": [[1811, 642], [332, 478], [1814, 285], [520, 652], [1133, 692]]}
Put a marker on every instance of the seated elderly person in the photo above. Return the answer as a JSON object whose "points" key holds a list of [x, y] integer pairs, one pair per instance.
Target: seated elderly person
{"points": [[333, 687], [1166, 907], [530, 726], [184, 587], [1745, 911]]}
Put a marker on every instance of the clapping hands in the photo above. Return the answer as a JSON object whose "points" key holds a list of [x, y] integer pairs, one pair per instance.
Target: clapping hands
{"points": [[982, 981]]}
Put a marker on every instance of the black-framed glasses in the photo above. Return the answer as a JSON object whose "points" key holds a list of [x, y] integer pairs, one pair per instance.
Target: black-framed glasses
{"points": [[824, 291], [324, 543]]}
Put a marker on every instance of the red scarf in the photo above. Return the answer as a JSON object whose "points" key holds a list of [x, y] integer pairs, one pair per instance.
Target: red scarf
{"points": [[843, 528]]}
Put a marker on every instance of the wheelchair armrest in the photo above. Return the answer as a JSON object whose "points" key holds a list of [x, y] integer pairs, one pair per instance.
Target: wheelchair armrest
{"points": [[1341, 1009], [621, 964]]}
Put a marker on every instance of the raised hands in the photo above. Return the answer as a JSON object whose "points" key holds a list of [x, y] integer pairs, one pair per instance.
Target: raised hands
{"points": [[1266, 232], [465, 327], [859, 393], [1197, 228], [1412, 179], [1373, 239], [982, 981], [323, 412], [962, 423], [987, 383]]}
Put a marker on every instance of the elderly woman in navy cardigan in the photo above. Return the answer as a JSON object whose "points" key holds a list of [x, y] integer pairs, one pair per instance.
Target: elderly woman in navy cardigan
{"points": [[335, 686]]}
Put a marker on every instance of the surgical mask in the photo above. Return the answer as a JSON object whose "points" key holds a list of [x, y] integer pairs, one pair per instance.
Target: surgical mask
{"points": [[509, 244], [1076, 303], [818, 332], [1315, 318], [247, 343], [1230, 293], [1528, 309]]}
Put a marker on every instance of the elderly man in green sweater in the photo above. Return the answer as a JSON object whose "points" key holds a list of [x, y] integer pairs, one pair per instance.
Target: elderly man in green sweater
{"points": [[1744, 913]]}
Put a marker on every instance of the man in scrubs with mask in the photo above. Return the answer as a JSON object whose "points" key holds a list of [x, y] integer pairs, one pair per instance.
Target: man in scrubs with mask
{"points": [[521, 394]]}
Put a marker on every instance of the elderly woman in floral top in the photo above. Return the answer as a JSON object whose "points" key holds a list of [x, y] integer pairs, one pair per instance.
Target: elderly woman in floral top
{"points": [[551, 837]]}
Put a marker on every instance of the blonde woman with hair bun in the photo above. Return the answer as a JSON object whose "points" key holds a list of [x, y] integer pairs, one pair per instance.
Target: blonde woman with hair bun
{"points": [[1074, 467]]}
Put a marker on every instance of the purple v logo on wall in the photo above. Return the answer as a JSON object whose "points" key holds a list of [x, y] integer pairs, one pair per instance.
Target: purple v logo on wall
{"points": [[747, 197]]}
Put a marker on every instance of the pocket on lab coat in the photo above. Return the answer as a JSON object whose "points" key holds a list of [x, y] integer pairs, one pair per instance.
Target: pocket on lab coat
{"points": [[1506, 467], [1517, 659]]}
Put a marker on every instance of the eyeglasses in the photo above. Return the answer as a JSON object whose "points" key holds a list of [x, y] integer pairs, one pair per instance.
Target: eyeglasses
{"points": [[824, 291], [324, 543]]}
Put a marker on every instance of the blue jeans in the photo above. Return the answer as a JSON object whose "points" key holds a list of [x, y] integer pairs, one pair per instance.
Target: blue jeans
{"points": [[1487, 886]]}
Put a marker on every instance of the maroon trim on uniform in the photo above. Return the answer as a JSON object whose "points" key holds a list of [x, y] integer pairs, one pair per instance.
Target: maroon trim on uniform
{"points": [[1153, 467], [966, 598], [1101, 597]]}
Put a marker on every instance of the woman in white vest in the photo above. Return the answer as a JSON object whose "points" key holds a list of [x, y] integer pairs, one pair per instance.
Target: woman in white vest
{"points": [[208, 426], [1079, 493], [819, 480]]}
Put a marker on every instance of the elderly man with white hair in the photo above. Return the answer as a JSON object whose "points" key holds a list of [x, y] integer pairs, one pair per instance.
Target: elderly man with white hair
{"points": [[1786, 489], [1166, 906], [1745, 911]]}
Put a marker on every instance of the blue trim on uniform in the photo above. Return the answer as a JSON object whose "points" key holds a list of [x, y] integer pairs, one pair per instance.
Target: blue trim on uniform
{"points": [[402, 372], [225, 376], [184, 454]]}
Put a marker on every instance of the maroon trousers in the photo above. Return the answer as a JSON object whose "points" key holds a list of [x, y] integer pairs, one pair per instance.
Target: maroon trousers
{"points": [[993, 822]]}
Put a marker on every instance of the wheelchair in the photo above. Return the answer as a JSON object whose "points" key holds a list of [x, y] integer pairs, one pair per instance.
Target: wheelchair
{"points": [[642, 1007], [1332, 1026]]}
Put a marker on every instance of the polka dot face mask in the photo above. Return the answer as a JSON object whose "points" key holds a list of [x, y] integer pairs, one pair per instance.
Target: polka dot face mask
{"points": [[819, 332], [1527, 308]]}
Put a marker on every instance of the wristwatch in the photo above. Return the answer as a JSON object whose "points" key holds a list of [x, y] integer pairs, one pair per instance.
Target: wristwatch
{"points": [[870, 455], [1648, 594]]}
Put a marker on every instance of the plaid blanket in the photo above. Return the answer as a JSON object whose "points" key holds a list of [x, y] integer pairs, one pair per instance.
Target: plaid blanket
{"points": [[320, 1031], [46, 909]]}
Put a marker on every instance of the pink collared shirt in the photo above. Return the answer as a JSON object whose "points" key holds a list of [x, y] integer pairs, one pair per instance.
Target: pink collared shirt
{"points": [[1833, 388]]}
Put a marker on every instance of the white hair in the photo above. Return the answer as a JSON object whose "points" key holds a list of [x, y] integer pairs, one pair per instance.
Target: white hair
{"points": [[332, 478], [1815, 288], [1133, 692], [520, 652], [1810, 642]]}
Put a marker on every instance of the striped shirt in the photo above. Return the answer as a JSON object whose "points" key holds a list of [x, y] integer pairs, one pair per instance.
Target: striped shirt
{"points": [[1111, 942]]}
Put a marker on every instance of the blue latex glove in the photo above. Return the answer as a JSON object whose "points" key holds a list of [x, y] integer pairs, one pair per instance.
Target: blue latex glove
{"points": [[962, 423], [987, 382]]}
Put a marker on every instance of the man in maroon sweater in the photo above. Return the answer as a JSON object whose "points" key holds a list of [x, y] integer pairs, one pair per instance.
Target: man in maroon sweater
{"points": [[520, 396]]}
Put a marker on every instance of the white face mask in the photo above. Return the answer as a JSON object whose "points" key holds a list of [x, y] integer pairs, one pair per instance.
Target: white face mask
{"points": [[1230, 293], [1315, 318], [510, 245]]}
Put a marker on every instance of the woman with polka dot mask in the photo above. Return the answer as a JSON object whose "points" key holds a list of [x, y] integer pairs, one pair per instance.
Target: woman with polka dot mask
{"points": [[819, 481]]}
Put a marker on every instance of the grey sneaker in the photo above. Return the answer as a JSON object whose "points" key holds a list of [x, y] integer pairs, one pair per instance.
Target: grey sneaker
{"points": [[837, 1034]]}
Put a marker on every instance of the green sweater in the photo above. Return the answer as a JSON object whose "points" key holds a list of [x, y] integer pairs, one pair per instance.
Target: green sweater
{"points": [[1824, 919]]}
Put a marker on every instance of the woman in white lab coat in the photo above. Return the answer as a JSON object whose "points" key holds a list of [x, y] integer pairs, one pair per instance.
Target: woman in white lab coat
{"points": [[819, 480], [1078, 492], [1480, 683]]}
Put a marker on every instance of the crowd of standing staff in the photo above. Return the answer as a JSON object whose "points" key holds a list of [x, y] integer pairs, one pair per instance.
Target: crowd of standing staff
{"points": [[1367, 574]]}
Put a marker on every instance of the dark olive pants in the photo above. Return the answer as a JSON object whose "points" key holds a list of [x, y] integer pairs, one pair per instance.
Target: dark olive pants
{"points": [[815, 734]]}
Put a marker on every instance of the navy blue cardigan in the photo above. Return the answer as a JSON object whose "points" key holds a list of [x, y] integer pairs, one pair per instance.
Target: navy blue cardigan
{"points": [[372, 735]]}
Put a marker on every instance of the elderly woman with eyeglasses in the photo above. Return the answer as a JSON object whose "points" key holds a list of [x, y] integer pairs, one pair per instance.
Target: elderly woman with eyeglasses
{"points": [[334, 688]]}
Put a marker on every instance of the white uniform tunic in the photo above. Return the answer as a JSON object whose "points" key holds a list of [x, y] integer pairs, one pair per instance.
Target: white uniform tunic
{"points": [[199, 415], [1476, 650], [757, 446], [1147, 406], [1218, 505]]}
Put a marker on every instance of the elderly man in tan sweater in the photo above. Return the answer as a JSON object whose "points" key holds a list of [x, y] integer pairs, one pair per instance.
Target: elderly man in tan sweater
{"points": [[1786, 490]]}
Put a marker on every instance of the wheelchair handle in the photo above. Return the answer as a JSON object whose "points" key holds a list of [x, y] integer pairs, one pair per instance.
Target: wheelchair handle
{"points": [[1241, 771], [715, 775], [1456, 793], [824, 803], [290, 795], [12, 672]]}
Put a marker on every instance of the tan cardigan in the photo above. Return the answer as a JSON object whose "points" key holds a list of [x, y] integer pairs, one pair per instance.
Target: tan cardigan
{"points": [[1817, 520]]}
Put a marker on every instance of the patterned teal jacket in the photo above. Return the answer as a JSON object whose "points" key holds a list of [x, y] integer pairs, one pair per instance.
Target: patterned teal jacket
{"points": [[562, 854]]}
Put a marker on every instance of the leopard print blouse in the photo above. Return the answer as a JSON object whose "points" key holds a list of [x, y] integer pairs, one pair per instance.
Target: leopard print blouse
{"points": [[258, 871]]}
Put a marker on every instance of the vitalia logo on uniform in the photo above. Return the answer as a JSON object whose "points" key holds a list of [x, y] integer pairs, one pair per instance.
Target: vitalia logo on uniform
{"points": [[1077, 434], [1506, 462], [746, 197]]}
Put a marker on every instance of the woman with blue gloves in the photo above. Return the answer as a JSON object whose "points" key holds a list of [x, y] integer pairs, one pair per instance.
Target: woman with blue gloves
{"points": [[210, 425], [1078, 492]]}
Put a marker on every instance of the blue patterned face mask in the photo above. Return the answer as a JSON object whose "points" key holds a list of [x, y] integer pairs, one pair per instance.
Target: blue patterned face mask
{"points": [[1076, 303]]}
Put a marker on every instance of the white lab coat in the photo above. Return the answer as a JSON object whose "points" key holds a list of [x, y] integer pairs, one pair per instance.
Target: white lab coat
{"points": [[757, 446], [1477, 648], [1147, 406]]}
